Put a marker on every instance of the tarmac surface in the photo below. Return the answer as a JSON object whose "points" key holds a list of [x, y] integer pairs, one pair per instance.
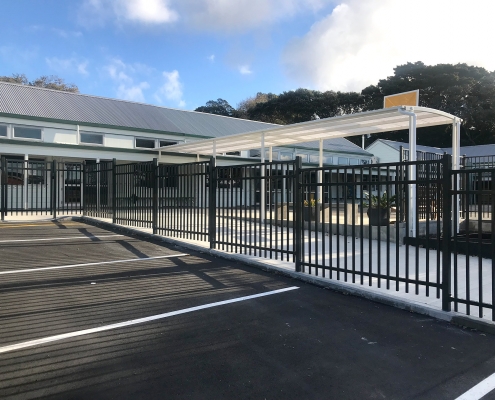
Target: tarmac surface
{"points": [[90, 313]]}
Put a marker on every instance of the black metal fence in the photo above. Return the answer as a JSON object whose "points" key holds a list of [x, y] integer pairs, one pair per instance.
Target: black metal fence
{"points": [[37, 187], [356, 233], [473, 250], [367, 224], [253, 209]]}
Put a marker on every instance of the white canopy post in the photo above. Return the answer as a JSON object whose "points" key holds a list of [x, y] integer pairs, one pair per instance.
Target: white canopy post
{"points": [[412, 170], [214, 152], [456, 163], [262, 186]]}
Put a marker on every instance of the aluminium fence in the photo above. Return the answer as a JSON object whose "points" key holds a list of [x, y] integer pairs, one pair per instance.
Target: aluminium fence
{"points": [[38, 187], [320, 219]]}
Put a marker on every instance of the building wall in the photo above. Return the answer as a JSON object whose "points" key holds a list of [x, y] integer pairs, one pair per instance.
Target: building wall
{"points": [[383, 152]]}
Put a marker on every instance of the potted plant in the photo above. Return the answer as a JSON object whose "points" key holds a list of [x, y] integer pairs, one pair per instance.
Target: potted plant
{"points": [[309, 210], [379, 208]]}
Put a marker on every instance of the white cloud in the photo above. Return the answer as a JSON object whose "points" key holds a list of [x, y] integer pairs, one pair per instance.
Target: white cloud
{"points": [[211, 58], [241, 15], [96, 12], [171, 89], [210, 15], [132, 92], [67, 64], [129, 87], [245, 70], [361, 41]]}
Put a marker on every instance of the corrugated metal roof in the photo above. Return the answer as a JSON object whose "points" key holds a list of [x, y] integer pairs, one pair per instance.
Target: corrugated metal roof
{"points": [[84, 109], [78, 108]]}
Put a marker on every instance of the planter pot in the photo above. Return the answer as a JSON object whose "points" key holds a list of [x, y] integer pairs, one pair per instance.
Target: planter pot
{"points": [[379, 216], [309, 213]]}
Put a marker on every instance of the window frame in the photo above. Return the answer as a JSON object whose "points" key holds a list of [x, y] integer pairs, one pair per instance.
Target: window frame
{"points": [[6, 130], [144, 138], [25, 138], [91, 143]]}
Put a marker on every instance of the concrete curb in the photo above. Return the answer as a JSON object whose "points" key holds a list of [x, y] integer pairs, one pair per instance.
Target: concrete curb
{"points": [[341, 287]]}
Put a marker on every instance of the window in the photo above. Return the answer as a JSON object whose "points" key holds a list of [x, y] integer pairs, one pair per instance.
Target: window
{"points": [[234, 153], [145, 143], [314, 159], [91, 138], [3, 130], [304, 157], [27, 133], [164, 143], [343, 161], [274, 155], [285, 156], [353, 161]]}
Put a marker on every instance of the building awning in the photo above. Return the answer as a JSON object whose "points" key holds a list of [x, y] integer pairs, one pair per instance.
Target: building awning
{"points": [[369, 122]]}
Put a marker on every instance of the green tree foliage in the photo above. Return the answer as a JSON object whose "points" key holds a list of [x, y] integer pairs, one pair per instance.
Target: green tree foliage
{"points": [[245, 105], [465, 91], [218, 107], [48, 82], [304, 105]]}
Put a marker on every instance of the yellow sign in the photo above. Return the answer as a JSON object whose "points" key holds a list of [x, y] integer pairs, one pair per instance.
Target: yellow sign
{"points": [[401, 99]]}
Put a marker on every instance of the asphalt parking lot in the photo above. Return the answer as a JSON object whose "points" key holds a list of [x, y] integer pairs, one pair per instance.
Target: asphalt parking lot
{"points": [[88, 313]]}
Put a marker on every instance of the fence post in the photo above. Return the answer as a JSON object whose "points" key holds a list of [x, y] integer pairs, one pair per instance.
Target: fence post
{"points": [[448, 194], [212, 203], [54, 188], [114, 191], [83, 189], [154, 175], [297, 213], [3, 187]]}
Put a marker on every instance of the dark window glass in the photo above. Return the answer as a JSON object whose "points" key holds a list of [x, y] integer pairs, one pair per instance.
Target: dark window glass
{"points": [[164, 143], [145, 143], [93, 138], [27, 133], [3, 130]]}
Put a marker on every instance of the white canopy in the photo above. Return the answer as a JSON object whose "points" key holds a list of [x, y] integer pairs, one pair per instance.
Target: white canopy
{"points": [[384, 120]]}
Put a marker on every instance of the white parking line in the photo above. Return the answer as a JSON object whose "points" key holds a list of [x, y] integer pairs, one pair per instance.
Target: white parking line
{"points": [[59, 238], [480, 390], [63, 336], [21, 271]]}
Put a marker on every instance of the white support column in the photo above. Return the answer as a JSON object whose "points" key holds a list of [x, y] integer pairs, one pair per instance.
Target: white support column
{"points": [[25, 185], [262, 186], [411, 169], [412, 176], [456, 161], [214, 149]]}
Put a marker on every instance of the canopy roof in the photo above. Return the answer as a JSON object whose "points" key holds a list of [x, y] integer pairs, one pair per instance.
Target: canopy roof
{"points": [[385, 120]]}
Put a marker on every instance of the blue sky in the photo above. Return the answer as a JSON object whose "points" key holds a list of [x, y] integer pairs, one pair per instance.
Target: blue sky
{"points": [[182, 53]]}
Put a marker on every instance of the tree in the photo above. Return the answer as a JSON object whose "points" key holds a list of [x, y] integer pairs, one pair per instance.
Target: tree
{"points": [[45, 81], [246, 105], [218, 107], [465, 91]]}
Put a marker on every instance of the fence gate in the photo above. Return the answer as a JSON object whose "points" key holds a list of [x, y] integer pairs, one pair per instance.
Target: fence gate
{"points": [[38, 187], [253, 209]]}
